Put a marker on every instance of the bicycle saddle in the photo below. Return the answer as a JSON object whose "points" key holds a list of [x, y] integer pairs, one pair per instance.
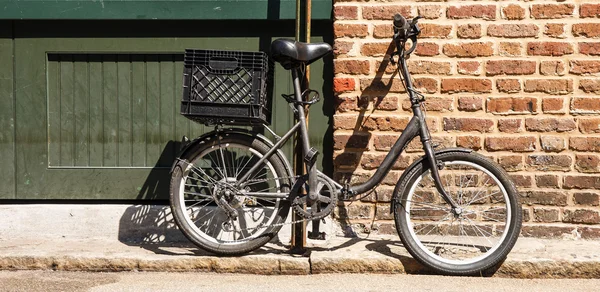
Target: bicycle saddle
{"points": [[291, 53]]}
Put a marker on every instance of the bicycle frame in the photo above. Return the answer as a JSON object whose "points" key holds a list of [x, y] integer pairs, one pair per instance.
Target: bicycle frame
{"points": [[417, 126]]}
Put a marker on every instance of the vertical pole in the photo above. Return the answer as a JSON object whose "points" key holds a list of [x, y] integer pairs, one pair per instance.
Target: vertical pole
{"points": [[298, 229]]}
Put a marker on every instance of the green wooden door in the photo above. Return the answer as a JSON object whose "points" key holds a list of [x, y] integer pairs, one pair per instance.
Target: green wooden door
{"points": [[7, 118], [97, 103]]}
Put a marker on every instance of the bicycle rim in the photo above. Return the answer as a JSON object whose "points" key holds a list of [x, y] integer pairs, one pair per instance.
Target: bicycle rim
{"points": [[470, 237]]}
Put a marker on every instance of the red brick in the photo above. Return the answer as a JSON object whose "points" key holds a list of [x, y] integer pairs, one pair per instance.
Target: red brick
{"points": [[470, 104], [515, 144], [587, 163], [383, 31], [442, 141], [356, 211], [343, 141], [386, 103], [552, 68], [550, 86], [550, 162], [546, 231], [521, 181], [590, 30], [430, 11], [346, 103], [429, 67], [549, 198], [510, 125], [427, 49], [549, 49], [552, 104], [510, 67], [345, 66], [470, 50], [426, 85], [370, 161], [508, 85], [376, 49], [512, 105], [469, 142], [472, 11], [469, 31], [550, 124], [468, 124], [511, 162], [341, 47], [592, 49], [590, 86], [384, 142], [385, 12], [545, 215], [345, 122], [584, 143], [341, 30], [584, 67], [453, 85], [430, 30], [469, 67], [513, 30], [510, 49], [345, 12], [381, 85], [555, 30], [434, 104], [585, 105], [552, 143], [581, 182], [589, 10], [385, 123], [345, 160], [589, 125], [584, 216], [343, 84], [513, 12], [546, 11], [590, 199], [546, 181]]}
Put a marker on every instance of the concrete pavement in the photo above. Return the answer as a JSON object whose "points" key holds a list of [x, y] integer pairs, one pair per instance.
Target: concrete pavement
{"points": [[75, 238]]}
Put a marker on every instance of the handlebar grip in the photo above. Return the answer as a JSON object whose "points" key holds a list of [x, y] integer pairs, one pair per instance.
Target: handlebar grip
{"points": [[399, 21]]}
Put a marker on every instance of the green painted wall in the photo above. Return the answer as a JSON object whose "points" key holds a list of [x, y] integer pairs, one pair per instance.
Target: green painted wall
{"points": [[97, 102]]}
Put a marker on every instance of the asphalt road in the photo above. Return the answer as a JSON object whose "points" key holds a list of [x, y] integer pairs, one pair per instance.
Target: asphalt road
{"points": [[134, 281]]}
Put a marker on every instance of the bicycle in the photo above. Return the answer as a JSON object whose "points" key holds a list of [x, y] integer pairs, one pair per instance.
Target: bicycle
{"points": [[455, 211]]}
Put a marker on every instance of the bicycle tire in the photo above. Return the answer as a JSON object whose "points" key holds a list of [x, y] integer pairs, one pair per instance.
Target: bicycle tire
{"points": [[274, 211], [416, 209]]}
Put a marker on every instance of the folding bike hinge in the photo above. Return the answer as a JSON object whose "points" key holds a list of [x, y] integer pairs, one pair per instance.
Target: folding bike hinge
{"points": [[311, 155]]}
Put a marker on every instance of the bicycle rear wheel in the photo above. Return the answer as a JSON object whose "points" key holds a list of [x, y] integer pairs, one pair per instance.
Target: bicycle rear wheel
{"points": [[203, 195], [468, 243]]}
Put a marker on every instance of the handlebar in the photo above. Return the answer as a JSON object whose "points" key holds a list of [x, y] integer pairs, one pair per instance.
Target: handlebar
{"points": [[405, 30]]}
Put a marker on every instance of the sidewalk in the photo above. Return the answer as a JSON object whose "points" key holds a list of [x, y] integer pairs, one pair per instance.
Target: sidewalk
{"points": [[99, 238], [531, 258]]}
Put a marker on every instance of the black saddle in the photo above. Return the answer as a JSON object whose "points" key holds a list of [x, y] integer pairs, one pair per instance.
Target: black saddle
{"points": [[293, 54]]}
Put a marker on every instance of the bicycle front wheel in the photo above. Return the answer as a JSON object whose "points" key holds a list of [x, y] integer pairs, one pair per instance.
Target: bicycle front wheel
{"points": [[476, 239], [205, 194]]}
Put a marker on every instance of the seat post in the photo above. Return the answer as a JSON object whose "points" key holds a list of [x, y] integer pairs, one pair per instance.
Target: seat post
{"points": [[311, 167]]}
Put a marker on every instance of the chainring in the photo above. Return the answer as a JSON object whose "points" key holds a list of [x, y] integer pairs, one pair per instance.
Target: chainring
{"points": [[321, 207]]}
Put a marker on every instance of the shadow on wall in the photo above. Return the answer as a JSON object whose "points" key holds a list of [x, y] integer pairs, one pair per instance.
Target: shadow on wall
{"points": [[359, 140], [151, 226]]}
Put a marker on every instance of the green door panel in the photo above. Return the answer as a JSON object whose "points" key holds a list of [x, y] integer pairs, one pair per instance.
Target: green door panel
{"points": [[7, 122], [159, 9], [98, 117]]}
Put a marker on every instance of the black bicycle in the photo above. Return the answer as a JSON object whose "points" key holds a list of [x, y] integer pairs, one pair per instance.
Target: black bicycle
{"points": [[231, 190]]}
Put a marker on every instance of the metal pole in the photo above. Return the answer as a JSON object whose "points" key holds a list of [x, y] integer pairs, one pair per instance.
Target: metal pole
{"points": [[298, 229]]}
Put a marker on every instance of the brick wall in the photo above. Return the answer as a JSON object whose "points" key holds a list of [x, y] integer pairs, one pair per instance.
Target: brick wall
{"points": [[515, 80]]}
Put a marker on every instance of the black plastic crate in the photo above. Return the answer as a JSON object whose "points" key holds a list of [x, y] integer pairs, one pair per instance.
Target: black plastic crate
{"points": [[226, 87]]}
